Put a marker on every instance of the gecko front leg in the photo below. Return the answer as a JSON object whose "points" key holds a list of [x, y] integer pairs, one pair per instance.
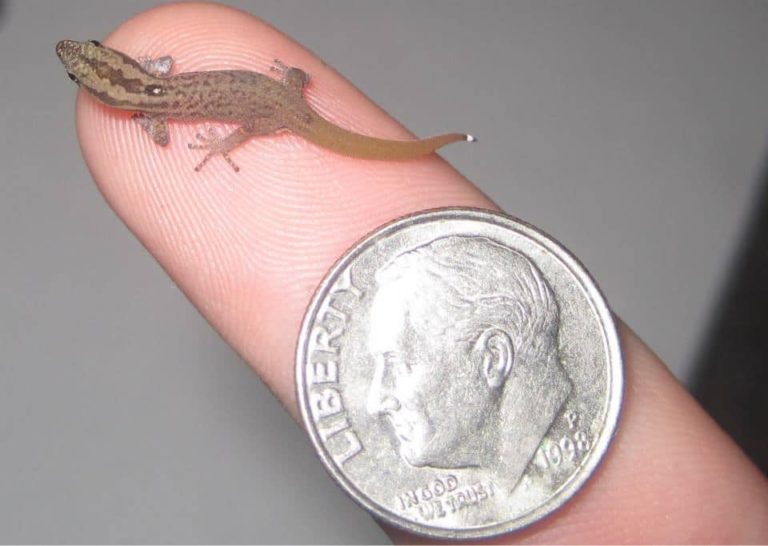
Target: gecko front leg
{"points": [[155, 124], [160, 67], [217, 145]]}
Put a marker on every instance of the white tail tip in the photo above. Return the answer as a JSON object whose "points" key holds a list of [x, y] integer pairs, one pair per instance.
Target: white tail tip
{"points": [[470, 138]]}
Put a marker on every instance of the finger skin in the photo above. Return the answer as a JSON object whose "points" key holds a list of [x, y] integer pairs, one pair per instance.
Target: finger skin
{"points": [[249, 248]]}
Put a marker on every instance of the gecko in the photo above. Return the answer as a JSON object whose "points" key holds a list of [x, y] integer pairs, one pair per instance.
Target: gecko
{"points": [[259, 104]]}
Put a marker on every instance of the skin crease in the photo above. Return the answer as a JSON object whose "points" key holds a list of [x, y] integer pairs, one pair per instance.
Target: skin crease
{"points": [[248, 250]]}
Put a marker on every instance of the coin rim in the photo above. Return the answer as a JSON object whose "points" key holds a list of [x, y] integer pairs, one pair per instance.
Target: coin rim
{"points": [[612, 345]]}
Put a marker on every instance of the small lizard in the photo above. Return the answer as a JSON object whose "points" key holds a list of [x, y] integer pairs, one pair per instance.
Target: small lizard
{"points": [[259, 104]]}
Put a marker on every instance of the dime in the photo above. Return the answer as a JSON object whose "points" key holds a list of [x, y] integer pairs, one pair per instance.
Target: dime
{"points": [[459, 373]]}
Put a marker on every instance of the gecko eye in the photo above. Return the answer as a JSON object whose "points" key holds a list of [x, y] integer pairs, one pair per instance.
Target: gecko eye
{"points": [[154, 90], [95, 42], [73, 78]]}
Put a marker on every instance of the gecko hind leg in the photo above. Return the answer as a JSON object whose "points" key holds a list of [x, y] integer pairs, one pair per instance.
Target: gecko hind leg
{"points": [[294, 78], [217, 145]]}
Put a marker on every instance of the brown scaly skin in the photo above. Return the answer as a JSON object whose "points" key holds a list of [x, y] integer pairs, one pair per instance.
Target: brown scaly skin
{"points": [[259, 104]]}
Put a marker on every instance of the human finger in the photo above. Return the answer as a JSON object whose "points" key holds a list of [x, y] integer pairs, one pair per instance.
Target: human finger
{"points": [[249, 248]]}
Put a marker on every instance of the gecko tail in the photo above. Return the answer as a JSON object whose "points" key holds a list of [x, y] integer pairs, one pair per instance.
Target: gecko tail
{"points": [[327, 135]]}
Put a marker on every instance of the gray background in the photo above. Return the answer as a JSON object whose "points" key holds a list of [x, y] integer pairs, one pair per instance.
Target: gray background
{"points": [[632, 131]]}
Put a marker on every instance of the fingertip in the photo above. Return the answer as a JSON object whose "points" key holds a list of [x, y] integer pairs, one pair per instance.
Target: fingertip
{"points": [[225, 236]]}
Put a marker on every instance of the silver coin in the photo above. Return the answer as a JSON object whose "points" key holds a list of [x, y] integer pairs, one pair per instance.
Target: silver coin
{"points": [[459, 373]]}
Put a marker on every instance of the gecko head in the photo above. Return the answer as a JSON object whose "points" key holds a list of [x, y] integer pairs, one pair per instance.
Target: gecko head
{"points": [[110, 76], [78, 58]]}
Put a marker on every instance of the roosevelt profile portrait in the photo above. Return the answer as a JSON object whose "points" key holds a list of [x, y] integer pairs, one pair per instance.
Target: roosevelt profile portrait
{"points": [[463, 335]]}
